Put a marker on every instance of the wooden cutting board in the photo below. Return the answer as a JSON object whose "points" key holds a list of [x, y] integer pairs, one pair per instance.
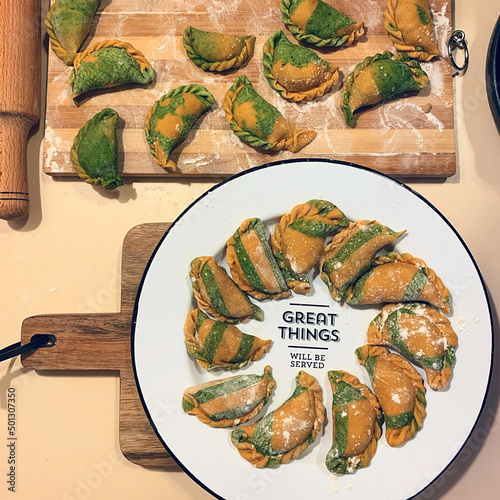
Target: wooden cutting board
{"points": [[396, 137], [102, 342]]}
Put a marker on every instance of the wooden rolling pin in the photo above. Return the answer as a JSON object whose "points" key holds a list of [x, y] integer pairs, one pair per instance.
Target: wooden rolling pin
{"points": [[20, 53]]}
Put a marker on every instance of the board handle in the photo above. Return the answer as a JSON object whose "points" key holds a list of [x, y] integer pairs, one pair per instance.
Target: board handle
{"points": [[82, 342]]}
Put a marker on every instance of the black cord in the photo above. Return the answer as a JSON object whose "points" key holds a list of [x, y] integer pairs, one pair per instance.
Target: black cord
{"points": [[38, 340]]}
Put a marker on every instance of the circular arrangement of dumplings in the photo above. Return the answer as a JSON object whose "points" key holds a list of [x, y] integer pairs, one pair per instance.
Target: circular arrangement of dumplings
{"points": [[409, 331]]}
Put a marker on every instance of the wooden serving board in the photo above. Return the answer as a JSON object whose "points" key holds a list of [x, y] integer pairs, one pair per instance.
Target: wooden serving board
{"points": [[102, 342], [396, 137]]}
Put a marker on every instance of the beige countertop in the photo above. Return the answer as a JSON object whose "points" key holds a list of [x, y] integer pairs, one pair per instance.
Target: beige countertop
{"points": [[65, 258]]}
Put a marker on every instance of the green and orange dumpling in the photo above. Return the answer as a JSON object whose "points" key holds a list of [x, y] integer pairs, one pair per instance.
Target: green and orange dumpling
{"points": [[218, 295], [171, 118], [252, 263], [357, 424], [285, 433], [399, 389], [422, 334], [296, 72], [258, 122], [230, 401], [351, 253], [318, 23], [299, 237], [213, 51], [380, 77], [216, 344]]}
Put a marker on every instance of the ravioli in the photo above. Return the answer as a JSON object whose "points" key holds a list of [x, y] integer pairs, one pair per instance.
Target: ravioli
{"points": [[230, 401], [259, 123], [295, 72], [380, 77], [351, 253], [108, 64], [68, 23], [410, 27], [218, 295], [212, 51], [399, 278], [251, 261], [94, 154], [357, 424], [299, 238], [285, 433], [318, 23], [399, 389], [171, 118], [421, 334], [216, 344]]}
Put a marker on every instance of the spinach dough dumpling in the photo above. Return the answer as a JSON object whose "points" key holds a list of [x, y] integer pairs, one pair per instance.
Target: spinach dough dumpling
{"points": [[400, 390], [94, 153], [252, 263], [318, 23], [351, 253], [108, 64], [410, 27], [296, 72], [218, 295], [380, 77], [230, 401], [299, 238], [357, 424], [421, 334], [259, 123], [399, 278], [172, 117], [216, 344], [285, 433], [68, 23], [213, 51]]}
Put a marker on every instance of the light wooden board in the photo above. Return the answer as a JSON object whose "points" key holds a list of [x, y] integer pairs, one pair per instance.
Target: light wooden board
{"points": [[396, 137], [102, 342]]}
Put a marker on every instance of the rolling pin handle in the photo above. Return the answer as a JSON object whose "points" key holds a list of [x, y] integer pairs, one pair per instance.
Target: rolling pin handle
{"points": [[14, 197]]}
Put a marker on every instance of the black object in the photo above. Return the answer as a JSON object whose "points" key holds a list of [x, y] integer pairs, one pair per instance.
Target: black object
{"points": [[38, 340], [457, 41], [493, 74]]}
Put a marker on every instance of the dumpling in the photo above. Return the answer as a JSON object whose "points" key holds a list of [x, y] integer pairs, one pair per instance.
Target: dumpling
{"points": [[217, 294], [357, 424], [351, 253], [258, 122], [299, 238], [172, 117], [380, 77], [94, 153], [108, 64], [286, 432], [230, 401], [421, 334], [296, 72], [68, 23], [217, 51], [410, 27], [399, 278], [318, 23], [252, 263], [216, 344], [399, 389]]}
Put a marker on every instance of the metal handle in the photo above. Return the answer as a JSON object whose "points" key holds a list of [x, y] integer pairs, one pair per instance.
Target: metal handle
{"points": [[457, 42]]}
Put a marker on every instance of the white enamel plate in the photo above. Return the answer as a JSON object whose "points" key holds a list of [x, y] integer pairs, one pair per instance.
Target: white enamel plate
{"points": [[164, 369]]}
